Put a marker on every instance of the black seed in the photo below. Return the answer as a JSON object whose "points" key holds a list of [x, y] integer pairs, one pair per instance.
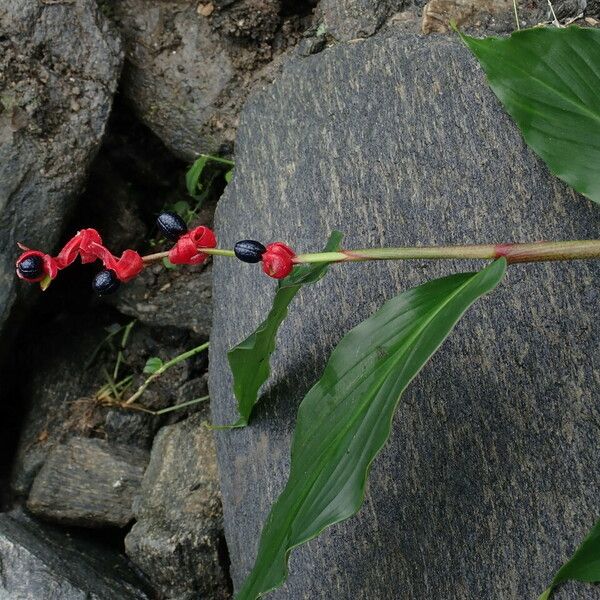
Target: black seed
{"points": [[249, 251], [31, 267], [171, 225], [105, 282]]}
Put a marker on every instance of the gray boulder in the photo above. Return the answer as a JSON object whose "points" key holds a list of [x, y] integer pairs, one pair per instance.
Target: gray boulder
{"points": [[189, 65], [176, 70], [490, 478], [88, 483], [59, 64], [177, 540], [40, 562]]}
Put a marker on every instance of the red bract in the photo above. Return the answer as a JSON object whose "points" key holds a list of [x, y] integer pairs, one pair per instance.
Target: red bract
{"points": [[79, 245], [129, 265], [50, 266], [277, 260], [126, 268], [187, 249]]}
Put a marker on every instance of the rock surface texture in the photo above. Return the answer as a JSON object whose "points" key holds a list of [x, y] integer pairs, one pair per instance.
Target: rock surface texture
{"points": [[349, 19], [166, 299], [490, 477], [59, 64], [42, 563], [190, 65], [64, 491], [178, 537]]}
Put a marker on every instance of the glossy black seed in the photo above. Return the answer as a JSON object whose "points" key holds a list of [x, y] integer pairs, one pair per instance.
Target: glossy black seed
{"points": [[171, 225], [31, 267], [105, 282], [249, 251]]}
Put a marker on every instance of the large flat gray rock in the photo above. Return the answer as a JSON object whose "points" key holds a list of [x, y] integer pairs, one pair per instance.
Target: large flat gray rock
{"points": [[490, 478]]}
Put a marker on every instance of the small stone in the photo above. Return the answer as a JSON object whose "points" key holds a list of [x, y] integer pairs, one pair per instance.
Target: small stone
{"points": [[438, 14], [205, 10], [187, 305]]}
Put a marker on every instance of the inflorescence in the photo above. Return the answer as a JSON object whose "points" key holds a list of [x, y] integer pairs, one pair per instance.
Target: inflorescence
{"points": [[36, 266]]}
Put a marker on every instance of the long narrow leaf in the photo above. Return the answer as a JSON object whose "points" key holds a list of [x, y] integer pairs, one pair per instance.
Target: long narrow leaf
{"points": [[584, 565], [549, 82], [249, 360], [345, 419]]}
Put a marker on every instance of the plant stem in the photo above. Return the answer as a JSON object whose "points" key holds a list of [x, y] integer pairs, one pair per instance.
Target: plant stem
{"points": [[150, 258], [219, 159], [514, 253], [162, 411], [163, 368]]}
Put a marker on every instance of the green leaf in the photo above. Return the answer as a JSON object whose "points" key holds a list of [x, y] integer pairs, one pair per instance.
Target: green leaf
{"points": [[549, 82], [345, 419], [584, 565], [181, 207], [229, 175], [168, 264], [249, 360], [192, 177], [153, 364], [45, 283]]}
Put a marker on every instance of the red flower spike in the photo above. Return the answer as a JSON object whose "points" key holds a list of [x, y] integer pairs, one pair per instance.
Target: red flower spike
{"points": [[187, 249], [126, 268], [50, 266], [277, 260]]}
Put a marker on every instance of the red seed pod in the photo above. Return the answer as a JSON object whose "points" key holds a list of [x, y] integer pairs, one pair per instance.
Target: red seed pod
{"points": [[81, 245], [128, 266], [28, 259], [187, 250], [277, 260]]}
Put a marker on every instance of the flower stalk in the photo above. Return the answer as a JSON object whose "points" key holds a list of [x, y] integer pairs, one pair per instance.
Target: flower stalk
{"points": [[162, 369], [514, 253]]}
